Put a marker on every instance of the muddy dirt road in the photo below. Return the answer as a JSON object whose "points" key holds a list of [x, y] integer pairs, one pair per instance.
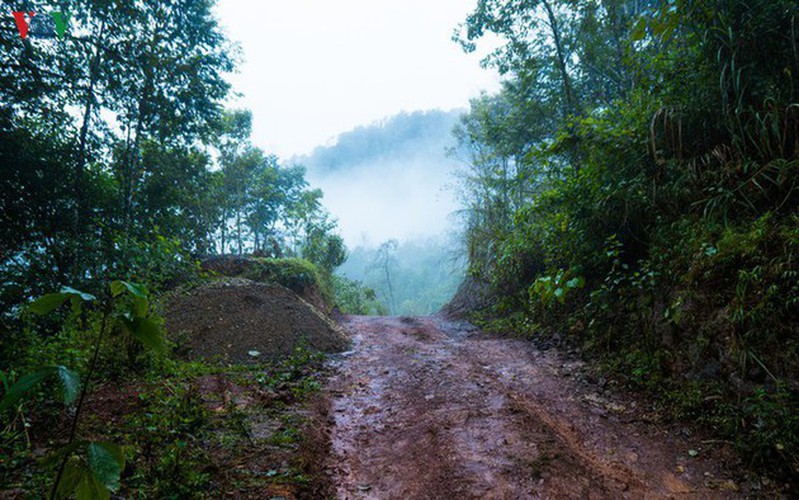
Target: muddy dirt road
{"points": [[427, 408]]}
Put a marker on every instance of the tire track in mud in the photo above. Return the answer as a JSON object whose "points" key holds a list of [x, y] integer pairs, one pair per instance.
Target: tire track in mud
{"points": [[428, 408]]}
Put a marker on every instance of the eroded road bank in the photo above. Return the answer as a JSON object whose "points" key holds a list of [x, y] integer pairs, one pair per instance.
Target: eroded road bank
{"points": [[428, 408]]}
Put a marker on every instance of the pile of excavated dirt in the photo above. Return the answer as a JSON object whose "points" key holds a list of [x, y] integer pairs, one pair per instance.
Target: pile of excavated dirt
{"points": [[244, 321], [255, 268]]}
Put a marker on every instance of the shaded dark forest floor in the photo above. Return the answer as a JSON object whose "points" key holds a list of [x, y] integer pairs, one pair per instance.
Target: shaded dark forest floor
{"points": [[427, 408]]}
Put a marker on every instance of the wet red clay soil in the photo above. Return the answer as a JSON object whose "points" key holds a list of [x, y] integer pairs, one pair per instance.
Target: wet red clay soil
{"points": [[427, 408]]}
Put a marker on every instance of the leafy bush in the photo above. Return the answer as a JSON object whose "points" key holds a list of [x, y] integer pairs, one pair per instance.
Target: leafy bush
{"points": [[674, 194], [548, 290], [298, 275], [764, 427], [165, 437], [89, 469], [161, 261]]}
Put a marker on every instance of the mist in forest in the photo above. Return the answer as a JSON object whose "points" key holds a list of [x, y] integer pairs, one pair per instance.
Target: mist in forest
{"points": [[415, 277], [390, 182], [389, 179]]}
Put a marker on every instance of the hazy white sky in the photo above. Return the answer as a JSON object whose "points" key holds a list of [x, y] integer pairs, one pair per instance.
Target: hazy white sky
{"points": [[313, 69]]}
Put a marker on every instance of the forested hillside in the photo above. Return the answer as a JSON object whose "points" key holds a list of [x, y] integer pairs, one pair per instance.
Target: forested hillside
{"points": [[120, 160], [119, 168], [632, 190], [407, 136]]}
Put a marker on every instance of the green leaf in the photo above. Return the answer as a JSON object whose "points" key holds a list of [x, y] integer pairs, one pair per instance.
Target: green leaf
{"points": [[86, 297], [147, 332], [140, 306], [639, 30], [73, 474], [51, 301], [69, 379], [47, 303], [77, 304], [71, 383], [89, 488], [24, 384], [138, 292], [117, 287], [106, 462]]}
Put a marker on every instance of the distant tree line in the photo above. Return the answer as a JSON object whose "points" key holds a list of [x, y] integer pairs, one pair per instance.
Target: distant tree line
{"points": [[403, 136]]}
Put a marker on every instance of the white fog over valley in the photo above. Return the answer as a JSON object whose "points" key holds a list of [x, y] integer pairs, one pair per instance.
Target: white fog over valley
{"points": [[391, 179], [394, 180]]}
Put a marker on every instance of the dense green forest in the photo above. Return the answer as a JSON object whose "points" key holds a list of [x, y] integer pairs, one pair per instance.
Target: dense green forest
{"points": [[630, 192], [119, 168], [633, 190], [120, 160]]}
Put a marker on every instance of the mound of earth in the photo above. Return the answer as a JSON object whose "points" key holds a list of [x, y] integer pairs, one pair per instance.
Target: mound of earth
{"points": [[298, 275], [240, 320]]}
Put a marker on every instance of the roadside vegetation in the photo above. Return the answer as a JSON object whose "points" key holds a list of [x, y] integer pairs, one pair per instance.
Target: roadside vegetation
{"points": [[632, 190], [121, 172]]}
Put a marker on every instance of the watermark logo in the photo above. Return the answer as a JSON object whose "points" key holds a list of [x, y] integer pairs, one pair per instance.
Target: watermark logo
{"points": [[28, 23]]}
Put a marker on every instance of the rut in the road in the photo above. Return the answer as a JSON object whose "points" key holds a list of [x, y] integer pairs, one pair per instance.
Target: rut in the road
{"points": [[426, 408]]}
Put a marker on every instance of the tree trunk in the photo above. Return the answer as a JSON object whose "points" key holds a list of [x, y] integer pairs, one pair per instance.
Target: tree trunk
{"points": [[393, 304], [223, 232], [571, 103], [80, 178], [238, 232]]}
